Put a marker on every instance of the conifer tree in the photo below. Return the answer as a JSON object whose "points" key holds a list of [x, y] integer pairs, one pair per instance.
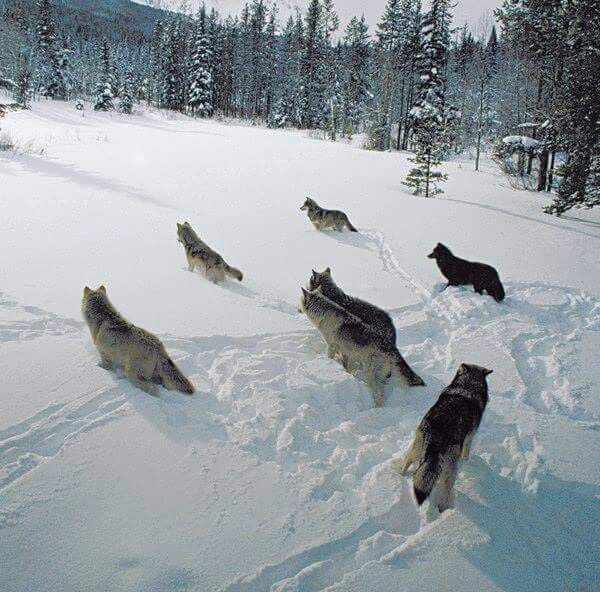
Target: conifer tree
{"points": [[104, 90], [126, 95], [429, 115], [200, 98]]}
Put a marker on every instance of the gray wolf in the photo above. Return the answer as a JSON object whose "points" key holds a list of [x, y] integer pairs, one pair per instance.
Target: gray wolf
{"points": [[371, 315], [460, 272], [445, 434], [199, 254], [120, 343], [323, 219], [356, 345]]}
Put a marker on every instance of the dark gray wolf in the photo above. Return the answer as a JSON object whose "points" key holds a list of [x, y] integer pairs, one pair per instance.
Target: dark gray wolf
{"points": [[445, 435], [460, 272], [371, 315], [323, 219], [138, 352], [356, 345], [199, 254]]}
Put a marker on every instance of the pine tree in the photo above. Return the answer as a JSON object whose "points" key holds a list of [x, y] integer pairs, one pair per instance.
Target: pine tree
{"points": [[314, 84], [104, 90], [578, 113], [429, 115], [357, 92], [287, 110], [126, 102], [22, 90], [200, 99]]}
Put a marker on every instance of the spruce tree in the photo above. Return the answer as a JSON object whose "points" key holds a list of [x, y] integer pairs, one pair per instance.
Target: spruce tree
{"points": [[357, 91], [126, 95], [200, 99], [104, 89], [313, 74], [578, 112], [429, 115]]}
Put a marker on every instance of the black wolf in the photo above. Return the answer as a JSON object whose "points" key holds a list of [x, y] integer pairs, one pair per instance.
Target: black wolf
{"points": [[460, 272], [445, 435]]}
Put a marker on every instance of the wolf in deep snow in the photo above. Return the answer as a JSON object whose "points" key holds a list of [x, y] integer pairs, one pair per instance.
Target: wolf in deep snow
{"points": [[199, 254], [356, 345], [460, 272], [120, 343], [323, 219], [368, 313], [445, 434]]}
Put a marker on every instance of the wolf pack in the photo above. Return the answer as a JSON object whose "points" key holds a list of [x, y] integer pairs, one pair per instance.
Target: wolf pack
{"points": [[358, 335]]}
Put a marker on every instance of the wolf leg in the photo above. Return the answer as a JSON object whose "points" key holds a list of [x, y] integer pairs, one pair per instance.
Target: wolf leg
{"points": [[105, 363], [413, 454], [134, 377], [445, 485], [466, 447]]}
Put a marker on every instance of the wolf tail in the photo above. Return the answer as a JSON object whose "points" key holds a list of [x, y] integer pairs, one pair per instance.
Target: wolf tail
{"points": [[497, 290], [350, 227], [234, 273], [172, 378], [426, 475], [406, 371]]}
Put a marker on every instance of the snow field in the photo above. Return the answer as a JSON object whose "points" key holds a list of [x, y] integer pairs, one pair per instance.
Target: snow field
{"points": [[276, 474]]}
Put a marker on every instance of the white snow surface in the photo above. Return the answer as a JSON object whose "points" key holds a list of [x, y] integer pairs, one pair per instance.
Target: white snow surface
{"points": [[276, 475]]}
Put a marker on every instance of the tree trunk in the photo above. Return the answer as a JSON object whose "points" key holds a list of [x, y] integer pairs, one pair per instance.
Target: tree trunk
{"points": [[543, 172], [551, 171], [479, 123]]}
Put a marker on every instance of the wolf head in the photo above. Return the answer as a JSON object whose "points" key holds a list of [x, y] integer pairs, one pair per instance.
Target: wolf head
{"points": [[185, 233], [470, 380], [318, 279], [308, 204], [310, 298], [439, 252], [94, 304]]}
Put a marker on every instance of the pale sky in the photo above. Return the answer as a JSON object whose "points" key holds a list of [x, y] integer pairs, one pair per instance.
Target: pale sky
{"points": [[469, 11]]}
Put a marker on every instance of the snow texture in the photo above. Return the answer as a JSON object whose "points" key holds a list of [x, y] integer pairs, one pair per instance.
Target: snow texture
{"points": [[276, 475]]}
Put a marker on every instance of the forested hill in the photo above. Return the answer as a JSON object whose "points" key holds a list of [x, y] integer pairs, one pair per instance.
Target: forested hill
{"points": [[113, 19]]}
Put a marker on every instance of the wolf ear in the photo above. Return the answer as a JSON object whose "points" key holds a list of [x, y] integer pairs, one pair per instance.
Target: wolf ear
{"points": [[462, 369], [328, 271], [86, 291], [102, 289], [305, 292]]}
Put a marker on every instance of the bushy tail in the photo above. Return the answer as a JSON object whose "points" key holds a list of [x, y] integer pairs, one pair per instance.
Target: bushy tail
{"points": [[350, 227], [426, 475], [234, 273], [411, 377], [172, 378], [497, 290]]}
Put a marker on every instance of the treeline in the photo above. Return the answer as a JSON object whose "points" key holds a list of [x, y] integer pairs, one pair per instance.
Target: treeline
{"points": [[411, 83]]}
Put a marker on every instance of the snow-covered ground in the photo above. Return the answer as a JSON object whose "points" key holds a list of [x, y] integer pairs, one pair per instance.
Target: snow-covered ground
{"points": [[276, 474]]}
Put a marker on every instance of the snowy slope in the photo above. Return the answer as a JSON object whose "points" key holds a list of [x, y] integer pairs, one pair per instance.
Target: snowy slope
{"points": [[276, 474]]}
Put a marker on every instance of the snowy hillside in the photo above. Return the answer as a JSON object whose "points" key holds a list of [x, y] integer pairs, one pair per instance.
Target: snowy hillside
{"points": [[276, 474]]}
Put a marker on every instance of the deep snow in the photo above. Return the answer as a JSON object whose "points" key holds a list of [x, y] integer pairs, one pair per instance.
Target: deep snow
{"points": [[276, 474]]}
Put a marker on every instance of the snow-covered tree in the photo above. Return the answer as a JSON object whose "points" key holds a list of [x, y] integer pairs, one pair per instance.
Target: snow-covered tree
{"points": [[126, 95], [313, 74], [429, 116], [578, 110], [104, 90], [357, 86], [200, 98]]}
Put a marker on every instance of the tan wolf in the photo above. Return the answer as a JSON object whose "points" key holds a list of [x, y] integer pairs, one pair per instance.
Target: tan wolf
{"points": [[356, 345], [199, 254], [323, 219], [138, 352]]}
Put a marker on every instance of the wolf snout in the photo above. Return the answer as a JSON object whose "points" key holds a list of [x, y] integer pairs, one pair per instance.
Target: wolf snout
{"points": [[431, 256]]}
